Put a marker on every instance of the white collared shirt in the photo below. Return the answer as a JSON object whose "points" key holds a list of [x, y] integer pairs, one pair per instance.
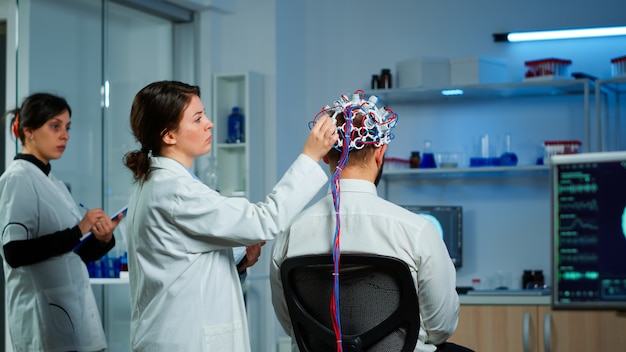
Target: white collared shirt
{"points": [[370, 224]]}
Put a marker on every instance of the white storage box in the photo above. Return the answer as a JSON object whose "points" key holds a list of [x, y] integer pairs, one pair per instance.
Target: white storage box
{"points": [[423, 72], [477, 70]]}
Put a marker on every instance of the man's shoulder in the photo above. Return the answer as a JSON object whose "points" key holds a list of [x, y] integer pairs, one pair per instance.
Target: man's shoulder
{"points": [[372, 206], [393, 211]]}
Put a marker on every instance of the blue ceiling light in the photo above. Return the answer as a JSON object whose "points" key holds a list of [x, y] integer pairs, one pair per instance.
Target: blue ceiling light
{"points": [[560, 34]]}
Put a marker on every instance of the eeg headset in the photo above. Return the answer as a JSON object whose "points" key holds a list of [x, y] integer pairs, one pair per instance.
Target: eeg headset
{"points": [[378, 122]]}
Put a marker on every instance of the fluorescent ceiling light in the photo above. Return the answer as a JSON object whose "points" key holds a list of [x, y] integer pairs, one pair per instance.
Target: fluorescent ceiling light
{"points": [[449, 92], [560, 34]]}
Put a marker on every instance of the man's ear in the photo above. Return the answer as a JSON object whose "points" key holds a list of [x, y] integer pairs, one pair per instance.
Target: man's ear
{"points": [[169, 138], [379, 154]]}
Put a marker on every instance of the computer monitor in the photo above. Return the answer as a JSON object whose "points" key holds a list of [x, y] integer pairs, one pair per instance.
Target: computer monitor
{"points": [[448, 219], [589, 231]]}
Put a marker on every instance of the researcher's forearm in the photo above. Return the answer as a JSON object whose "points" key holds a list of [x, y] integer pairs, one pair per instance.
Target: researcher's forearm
{"points": [[28, 252]]}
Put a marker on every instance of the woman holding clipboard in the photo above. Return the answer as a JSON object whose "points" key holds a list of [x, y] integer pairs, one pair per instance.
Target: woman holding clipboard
{"points": [[51, 306]]}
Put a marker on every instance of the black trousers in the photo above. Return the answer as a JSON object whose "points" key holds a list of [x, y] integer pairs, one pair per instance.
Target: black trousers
{"points": [[452, 347]]}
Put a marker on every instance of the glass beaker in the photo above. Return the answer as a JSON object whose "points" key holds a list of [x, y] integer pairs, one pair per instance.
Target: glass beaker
{"points": [[508, 158], [428, 158]]}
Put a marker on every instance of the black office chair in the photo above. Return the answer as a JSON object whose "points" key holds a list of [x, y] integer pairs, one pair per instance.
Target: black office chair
{"points": [[377, 300]]}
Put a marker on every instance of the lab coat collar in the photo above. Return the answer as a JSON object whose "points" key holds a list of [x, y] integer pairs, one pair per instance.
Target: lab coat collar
{"points": [[45, 168], [163, 162]]}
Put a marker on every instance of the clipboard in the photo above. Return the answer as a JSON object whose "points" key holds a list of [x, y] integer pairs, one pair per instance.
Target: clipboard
{"points": [[122, 211]]}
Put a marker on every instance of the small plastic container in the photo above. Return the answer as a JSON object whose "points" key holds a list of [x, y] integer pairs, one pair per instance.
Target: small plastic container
{"points": [[527, 279], [414, 161], [546, 69], [384, 80], [538, 279], [559, 147], [375, 82], [618, 66]]}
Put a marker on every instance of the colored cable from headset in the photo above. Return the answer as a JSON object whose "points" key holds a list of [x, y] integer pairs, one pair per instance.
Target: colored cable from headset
{"points": [[375, 129]]}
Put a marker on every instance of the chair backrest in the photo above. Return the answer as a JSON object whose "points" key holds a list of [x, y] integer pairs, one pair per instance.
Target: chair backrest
{"points": [[378, 303]]}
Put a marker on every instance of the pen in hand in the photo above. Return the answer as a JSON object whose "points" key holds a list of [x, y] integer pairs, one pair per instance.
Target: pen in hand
{"points": [[83, 206]]}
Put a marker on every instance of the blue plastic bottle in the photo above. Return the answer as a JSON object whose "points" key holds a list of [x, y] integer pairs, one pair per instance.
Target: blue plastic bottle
{"points": [[235, 127]]}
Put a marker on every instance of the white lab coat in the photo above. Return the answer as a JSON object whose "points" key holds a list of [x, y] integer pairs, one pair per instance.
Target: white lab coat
{"points": [[185, 290], [51, 305]]}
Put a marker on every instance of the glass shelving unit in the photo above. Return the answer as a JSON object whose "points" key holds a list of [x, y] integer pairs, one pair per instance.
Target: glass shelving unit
{"points": [[483, 171], [234, 162], [609, 94], [486, 92]]}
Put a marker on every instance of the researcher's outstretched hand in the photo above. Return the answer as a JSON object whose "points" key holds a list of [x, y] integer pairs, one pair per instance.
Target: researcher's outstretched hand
{"points": [[322, 137], [253, 253]]}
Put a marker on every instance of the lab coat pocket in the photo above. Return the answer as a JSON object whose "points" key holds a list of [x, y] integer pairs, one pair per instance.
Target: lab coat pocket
{"points": [[61, 303], [225, 337]]}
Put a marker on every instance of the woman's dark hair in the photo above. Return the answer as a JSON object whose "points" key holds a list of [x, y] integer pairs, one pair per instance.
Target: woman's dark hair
{"points": [[35, 111], [157, 109]]}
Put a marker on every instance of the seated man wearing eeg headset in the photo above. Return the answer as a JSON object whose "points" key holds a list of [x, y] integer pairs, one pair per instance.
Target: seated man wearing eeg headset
{"points": [[370, 223]]}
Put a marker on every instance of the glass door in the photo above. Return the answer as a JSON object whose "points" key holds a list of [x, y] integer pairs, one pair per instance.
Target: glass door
{"points": [[96, 54], [137, 50], [60, 52]]}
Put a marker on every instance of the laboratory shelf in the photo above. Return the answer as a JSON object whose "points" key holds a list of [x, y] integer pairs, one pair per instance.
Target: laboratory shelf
{"points": [[499, 91], [469, 300], [486, 91], [232, 145], [610, 94], [123, 279], [615, 85], [463, 172], [109, 281], [234, 163]]}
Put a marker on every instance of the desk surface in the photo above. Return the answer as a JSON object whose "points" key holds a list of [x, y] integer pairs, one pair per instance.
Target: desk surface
{"points": [[485, 300], [123, 279], [509, 300]]}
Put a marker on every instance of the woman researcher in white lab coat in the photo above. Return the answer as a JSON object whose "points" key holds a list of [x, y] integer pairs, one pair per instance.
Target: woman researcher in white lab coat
{"points": [[49, 300], [185, 292]]}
